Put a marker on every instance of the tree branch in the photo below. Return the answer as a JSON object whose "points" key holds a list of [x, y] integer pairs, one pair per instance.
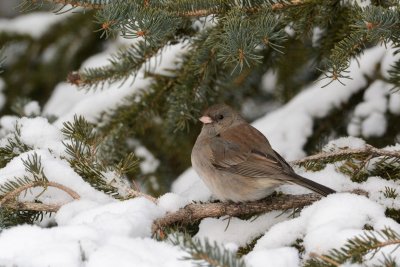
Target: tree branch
{"points": [[367, 150], [16, 192], [73, 3], [135, 193], [32, 206], [195, 212], [324, 258]]}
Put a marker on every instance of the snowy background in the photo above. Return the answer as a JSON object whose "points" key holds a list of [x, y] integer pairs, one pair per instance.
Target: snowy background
{"points": [[98, 230]]}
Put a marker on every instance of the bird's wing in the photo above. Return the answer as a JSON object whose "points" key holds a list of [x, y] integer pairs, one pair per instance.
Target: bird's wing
{"points": [[249, 155], [253, 157]]}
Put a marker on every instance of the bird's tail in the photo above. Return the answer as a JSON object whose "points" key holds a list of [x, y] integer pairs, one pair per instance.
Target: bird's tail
{"points": [[313, 186]]}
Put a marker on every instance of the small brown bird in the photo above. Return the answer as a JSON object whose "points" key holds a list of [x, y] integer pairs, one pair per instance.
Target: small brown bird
{"points": [[236, 161]]}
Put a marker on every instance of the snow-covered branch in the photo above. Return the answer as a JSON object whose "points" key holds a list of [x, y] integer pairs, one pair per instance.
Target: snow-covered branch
{"points": [[367, 150], [13, 194], [197, 211]]}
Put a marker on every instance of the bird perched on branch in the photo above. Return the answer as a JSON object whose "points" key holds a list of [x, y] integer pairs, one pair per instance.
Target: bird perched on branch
{"points": [[236, 161]]}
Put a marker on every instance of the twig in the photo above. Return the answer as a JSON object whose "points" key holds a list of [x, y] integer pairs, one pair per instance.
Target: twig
{"points": [[19, 190], [195, 212], [134, 193], [32, 206], [368, 150], [324, 258]]}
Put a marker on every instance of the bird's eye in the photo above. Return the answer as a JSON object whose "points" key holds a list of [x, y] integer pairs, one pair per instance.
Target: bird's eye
{"points": [[220, 117]]}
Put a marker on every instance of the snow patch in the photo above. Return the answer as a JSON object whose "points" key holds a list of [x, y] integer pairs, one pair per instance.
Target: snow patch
{"points": [[34, 24]]}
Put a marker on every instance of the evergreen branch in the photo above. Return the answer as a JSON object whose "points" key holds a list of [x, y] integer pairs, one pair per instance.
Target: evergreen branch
{"points": [[204, 253], [124, 63], [238, 42], [345, 153], [10, 217], [45, 184], [13, 147], [92, 4], [197, 211], [82, 146], [358, 247], [31, 206], [394, 74], [373, 24], [324, 258]]}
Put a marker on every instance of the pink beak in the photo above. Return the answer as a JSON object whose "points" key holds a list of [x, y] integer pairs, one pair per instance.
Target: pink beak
{"points": [[206, 120]]}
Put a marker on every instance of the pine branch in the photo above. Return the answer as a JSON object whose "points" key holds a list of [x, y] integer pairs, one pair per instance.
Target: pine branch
{"points": [[82, 146], [203, 253], [124, 63], [341, 154], [355, 249], [13, 147], [324, 259], [13, 212], [394, 75], [372, 25], [31, 206], [87, 4]]}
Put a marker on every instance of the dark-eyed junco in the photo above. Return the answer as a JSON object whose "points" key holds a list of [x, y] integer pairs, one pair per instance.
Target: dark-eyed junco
{"points": [[237, 162]]}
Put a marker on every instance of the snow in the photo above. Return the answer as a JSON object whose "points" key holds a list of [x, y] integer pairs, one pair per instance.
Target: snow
{"points": [[149, 163], [338, 216], [237, 231], [94, 233], [269, 81], [137, 252], [92, 105], [282, 257], [189, 185], [126, 218], [97, 230], [171, 202], [63, 99], [374, 126], [39, 133], [34, 24], [369, 116], [394, 103], [348, 142], [32, 109]]}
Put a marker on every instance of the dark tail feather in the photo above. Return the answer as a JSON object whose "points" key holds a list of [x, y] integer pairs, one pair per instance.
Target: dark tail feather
{"points": [[316, 187]]}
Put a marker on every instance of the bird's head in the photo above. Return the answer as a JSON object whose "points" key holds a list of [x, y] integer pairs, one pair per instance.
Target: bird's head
{"points": [[220, 117]]}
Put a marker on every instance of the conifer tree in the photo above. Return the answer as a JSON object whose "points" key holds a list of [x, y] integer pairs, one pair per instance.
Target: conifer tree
{"points": [[230, 47]]}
